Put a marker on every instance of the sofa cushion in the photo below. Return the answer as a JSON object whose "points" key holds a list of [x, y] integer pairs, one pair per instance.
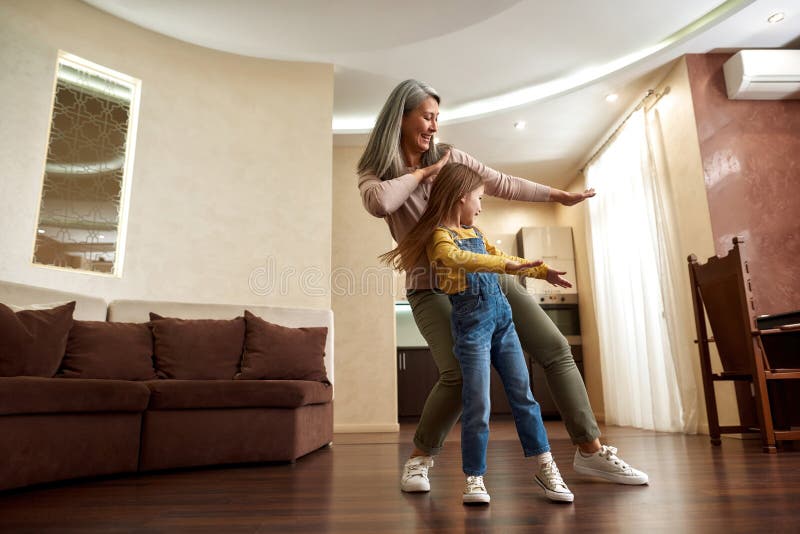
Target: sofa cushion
{"points": [[29, 395], [32, 342], [97, 349], [275, 352], [197, 349], [200, 394]]}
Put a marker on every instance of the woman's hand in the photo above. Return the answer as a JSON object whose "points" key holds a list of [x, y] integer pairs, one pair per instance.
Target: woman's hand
{"points": [[430, 172], [554, 277], [570, 199], [515, 266]]}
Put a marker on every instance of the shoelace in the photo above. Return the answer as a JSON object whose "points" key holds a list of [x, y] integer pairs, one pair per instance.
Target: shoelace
{"points": [[550, 470], [610, 453], [419, 469], [475, 484]]}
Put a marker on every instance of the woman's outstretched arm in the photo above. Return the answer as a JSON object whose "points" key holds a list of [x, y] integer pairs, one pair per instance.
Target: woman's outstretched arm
{"points": [[510, 187]]}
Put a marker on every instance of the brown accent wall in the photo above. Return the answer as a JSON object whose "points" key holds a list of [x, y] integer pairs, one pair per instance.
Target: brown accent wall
{"points": [[751, 163]]}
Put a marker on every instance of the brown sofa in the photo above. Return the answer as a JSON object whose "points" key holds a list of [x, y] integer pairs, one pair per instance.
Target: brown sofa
{"points": [[55, 428]]}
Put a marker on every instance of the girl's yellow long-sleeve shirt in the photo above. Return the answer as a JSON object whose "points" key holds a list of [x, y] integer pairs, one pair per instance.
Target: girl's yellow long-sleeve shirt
{"points": [[451, 263]]}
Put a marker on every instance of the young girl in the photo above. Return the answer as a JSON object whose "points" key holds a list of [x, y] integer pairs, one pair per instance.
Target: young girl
{"points": [[483, 332]]}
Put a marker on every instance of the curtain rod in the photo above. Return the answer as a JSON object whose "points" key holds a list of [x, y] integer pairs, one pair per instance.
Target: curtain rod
{"points": [[642, 103]]}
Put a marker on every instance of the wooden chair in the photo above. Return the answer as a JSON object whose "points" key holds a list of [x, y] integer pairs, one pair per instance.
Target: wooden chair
{"points": [[721, 289]]}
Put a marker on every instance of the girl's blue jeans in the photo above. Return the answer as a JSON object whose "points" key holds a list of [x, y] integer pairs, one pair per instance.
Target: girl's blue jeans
{"points": [[484, 336]]}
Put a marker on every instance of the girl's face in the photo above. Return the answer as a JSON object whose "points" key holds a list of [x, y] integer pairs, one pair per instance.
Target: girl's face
{"points": [[471, 206], [419, 125]]}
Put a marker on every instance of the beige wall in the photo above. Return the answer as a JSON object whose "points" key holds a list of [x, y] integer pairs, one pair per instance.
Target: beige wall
{"points": [[681, 170], [502, 219], [363, 305], [232, 162]]}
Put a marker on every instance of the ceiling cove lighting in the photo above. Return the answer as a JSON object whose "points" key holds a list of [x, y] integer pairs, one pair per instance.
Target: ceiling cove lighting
{"points": [[776, 17], [534, 93]]}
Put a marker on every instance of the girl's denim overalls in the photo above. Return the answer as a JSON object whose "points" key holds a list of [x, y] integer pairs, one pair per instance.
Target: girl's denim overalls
{"points": [[484, 335]]}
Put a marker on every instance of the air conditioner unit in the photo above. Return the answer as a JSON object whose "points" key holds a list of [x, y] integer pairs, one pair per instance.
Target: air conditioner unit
{"points": [[763, 75]]}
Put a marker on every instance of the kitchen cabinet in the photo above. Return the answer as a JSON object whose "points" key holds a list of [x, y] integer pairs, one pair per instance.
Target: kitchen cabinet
{"points": [[553, 245], [417, 374], [546, 242]]}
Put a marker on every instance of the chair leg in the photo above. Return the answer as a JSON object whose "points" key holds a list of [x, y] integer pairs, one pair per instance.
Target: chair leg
{"points": [[762, 404], [708, 390]]}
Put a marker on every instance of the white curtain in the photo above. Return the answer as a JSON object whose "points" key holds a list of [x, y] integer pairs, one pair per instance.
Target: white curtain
{"points": [[648, 381]]}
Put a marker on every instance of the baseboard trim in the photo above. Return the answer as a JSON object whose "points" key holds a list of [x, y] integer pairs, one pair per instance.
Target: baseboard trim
{"points": [[600, 417], [365, 428]]}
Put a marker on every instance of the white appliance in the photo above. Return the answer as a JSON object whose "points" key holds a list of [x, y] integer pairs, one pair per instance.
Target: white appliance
{"points": [[553, 245], [763, 75]]}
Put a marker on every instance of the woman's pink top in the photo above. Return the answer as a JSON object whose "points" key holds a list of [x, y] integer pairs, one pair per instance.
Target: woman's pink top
{"points": [[401, 201]]}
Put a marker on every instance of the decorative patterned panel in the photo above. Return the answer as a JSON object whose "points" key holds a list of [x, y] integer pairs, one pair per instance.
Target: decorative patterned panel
{"points": [[82, 192]]}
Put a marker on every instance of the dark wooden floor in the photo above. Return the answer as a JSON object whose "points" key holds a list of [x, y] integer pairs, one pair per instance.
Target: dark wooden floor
{"points": [[353, 487]]}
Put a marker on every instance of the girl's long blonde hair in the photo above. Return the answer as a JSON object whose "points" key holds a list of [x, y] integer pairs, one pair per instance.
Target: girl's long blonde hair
{"points": [[453, 182]]}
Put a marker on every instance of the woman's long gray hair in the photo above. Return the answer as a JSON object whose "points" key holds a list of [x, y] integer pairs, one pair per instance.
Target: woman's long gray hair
{"points": [[382, 155]]}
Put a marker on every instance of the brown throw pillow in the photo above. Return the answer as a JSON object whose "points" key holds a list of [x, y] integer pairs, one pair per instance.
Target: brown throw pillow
{"points": [[99, 349], [197, 349], [32, 342], [275, 352]]}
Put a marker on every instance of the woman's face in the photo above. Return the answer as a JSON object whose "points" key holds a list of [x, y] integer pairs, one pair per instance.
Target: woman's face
{"points": [[471, 206], [419, 125]]}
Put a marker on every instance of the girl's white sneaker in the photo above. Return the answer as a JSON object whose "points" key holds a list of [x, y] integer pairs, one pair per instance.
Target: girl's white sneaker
{"points": [[549, 479], [475, 491]]}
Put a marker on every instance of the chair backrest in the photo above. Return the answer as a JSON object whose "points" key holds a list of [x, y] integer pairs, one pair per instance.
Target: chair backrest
{"points": [[723, 287]]}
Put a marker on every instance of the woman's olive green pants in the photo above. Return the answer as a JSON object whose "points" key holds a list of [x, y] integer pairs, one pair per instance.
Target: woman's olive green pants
{"points": [[539, 337]]}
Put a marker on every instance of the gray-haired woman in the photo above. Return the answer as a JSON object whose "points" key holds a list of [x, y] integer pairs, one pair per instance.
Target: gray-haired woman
{"points": [[395, 173]]}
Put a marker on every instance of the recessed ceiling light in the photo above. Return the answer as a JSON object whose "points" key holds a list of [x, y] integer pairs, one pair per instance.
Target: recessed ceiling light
{"points": [[40, 231], [519, 125], [776, 17], [612, 97]]}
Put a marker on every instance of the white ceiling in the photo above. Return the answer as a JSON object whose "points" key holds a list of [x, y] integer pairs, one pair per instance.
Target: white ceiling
{"points": [[559, 59]]}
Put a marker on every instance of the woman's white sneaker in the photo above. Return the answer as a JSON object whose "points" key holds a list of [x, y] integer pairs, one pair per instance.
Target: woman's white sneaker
{"points": [[549, 479], [415, 474], [607, 465], [475, 491]]}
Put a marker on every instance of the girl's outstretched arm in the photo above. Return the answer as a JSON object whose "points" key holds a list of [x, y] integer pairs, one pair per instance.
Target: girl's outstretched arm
{"points": [[443, 251]]}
